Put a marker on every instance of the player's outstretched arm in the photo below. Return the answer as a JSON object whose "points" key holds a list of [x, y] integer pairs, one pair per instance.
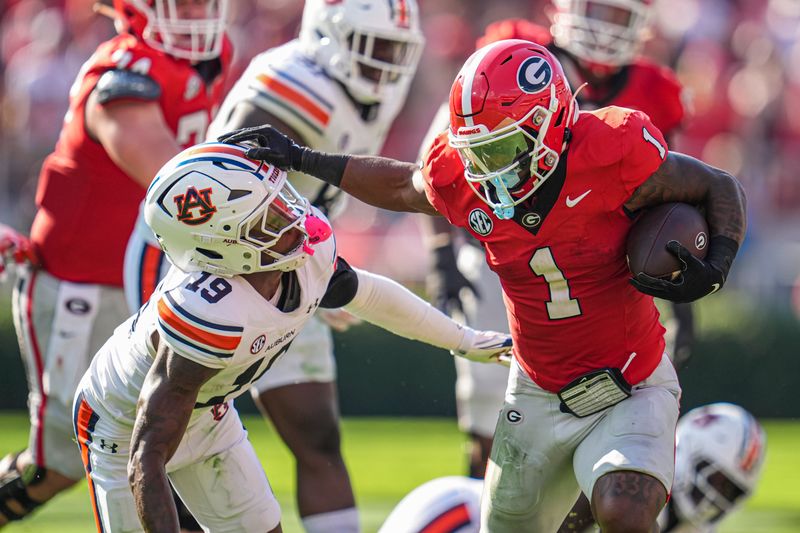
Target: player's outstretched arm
{"points": [[388, 304], [162, 414], [682, 178], [378, 181]]}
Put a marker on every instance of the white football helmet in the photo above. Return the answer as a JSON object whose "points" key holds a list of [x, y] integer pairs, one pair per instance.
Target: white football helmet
{"points": [[162, 24], [368, 45], [212, 209], [718, 460], [601, 32]]}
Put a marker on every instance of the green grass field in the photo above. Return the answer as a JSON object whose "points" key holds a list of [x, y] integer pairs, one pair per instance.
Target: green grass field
{"points": [[389, 457]]}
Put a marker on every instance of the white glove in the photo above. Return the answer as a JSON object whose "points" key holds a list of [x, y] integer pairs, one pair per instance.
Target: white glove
{"points": [[338, 319], [485, 347]]}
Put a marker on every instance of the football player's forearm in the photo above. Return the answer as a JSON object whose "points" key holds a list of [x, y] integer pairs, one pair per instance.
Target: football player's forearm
{"points": [[682, 178], [165, 405], [726, 207], [384, 183], [386, 303], [156, 435], [151, 492]]}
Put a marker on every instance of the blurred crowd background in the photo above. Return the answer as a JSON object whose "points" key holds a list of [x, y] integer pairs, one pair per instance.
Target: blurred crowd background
{"points": [[738, 59]]}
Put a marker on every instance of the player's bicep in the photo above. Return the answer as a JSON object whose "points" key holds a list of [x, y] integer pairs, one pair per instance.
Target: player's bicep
{"points": [[246, 114], [680, 178], [134, 133]]}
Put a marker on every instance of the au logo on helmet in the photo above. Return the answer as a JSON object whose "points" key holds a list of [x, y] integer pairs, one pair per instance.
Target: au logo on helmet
{"points": [[195, 207], [534, 74]]}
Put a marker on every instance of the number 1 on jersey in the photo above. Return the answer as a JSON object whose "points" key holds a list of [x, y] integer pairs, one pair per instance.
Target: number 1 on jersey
{"points": [[560, 305]]}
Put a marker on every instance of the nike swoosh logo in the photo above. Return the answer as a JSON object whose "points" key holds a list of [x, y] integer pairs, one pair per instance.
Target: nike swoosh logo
{"points": [[714, 288], [573, 203]]}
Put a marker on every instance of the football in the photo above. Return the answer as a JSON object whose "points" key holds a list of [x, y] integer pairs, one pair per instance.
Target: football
{"points": [[648, 238]]}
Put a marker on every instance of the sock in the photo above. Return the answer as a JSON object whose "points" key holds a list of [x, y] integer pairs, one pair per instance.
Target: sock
{"points": [[341, 521]]}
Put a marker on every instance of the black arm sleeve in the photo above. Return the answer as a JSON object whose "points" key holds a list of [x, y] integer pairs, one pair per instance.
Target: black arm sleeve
{"points": [[342, 287], [120, 84]]}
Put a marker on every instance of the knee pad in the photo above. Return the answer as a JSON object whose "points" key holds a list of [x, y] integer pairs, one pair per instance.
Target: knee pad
{"points": [[14, 488]]}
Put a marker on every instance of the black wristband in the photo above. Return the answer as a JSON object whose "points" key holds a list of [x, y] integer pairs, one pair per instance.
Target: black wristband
{"points": [[721, 251], [326, 167]]}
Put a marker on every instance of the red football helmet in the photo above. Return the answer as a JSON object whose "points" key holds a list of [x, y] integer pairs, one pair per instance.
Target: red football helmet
{"points": [[510, 108], [165, 25], [602, 33]]}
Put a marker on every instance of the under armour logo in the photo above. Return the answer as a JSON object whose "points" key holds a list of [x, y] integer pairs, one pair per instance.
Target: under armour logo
{"points": [[193, 199], [113, 446]]}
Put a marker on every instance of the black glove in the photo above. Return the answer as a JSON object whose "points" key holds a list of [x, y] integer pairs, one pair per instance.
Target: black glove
{"points": [[272, 146], [698, 277], [277, 149], [445, 282]]}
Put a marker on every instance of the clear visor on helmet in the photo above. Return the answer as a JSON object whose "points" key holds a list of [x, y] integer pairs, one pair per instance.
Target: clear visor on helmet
{"points": [[713, 493], [187, 29], [497, 164], [277, 232], [384, 59]]}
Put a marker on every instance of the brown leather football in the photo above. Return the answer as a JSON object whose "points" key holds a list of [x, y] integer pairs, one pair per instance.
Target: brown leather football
{"points": [[648, 238]]}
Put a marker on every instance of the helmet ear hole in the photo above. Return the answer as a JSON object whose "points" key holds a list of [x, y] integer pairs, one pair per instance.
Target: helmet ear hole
{"points": [[211, 254]]}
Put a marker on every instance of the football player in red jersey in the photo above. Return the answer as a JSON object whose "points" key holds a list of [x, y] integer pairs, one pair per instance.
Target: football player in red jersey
{"points": [[141, 96], [551, 192], [598, 44]]}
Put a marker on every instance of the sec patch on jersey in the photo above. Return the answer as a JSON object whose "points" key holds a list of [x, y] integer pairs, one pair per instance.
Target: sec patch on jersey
{"points": [[648, 238]]}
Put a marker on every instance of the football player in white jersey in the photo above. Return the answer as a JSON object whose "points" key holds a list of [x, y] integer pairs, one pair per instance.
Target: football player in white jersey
{"points": [[337, 87], [253, 261], [719, 455], [718, 462]]}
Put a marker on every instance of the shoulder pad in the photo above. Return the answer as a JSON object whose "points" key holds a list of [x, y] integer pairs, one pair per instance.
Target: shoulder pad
{"points": [[293, 89], [189, 329], [119, 84]]}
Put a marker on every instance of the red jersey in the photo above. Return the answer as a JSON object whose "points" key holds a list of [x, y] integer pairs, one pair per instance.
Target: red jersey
{"points": [[642, 85], [87, 204], [561, 260]]}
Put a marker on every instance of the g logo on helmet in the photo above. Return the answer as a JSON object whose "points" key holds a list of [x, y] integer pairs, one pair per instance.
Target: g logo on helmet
{"points": [[195, 207], [534, 75]]}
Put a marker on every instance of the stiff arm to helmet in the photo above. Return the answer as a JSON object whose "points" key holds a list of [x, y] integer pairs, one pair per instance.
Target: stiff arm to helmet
{"points": [[215, 210]]}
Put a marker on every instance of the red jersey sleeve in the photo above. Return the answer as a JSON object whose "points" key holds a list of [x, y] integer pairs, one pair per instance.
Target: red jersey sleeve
{"points": [[642, 149], [441, 167]]}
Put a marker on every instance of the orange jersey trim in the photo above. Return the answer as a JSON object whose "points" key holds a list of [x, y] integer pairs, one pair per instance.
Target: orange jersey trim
{"points": [[221, 342], [295, 97], [448, 521]]}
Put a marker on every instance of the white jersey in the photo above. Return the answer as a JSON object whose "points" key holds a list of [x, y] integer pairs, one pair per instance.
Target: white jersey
{"points": [[447, 504], [221, 323], [286, 83]]}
